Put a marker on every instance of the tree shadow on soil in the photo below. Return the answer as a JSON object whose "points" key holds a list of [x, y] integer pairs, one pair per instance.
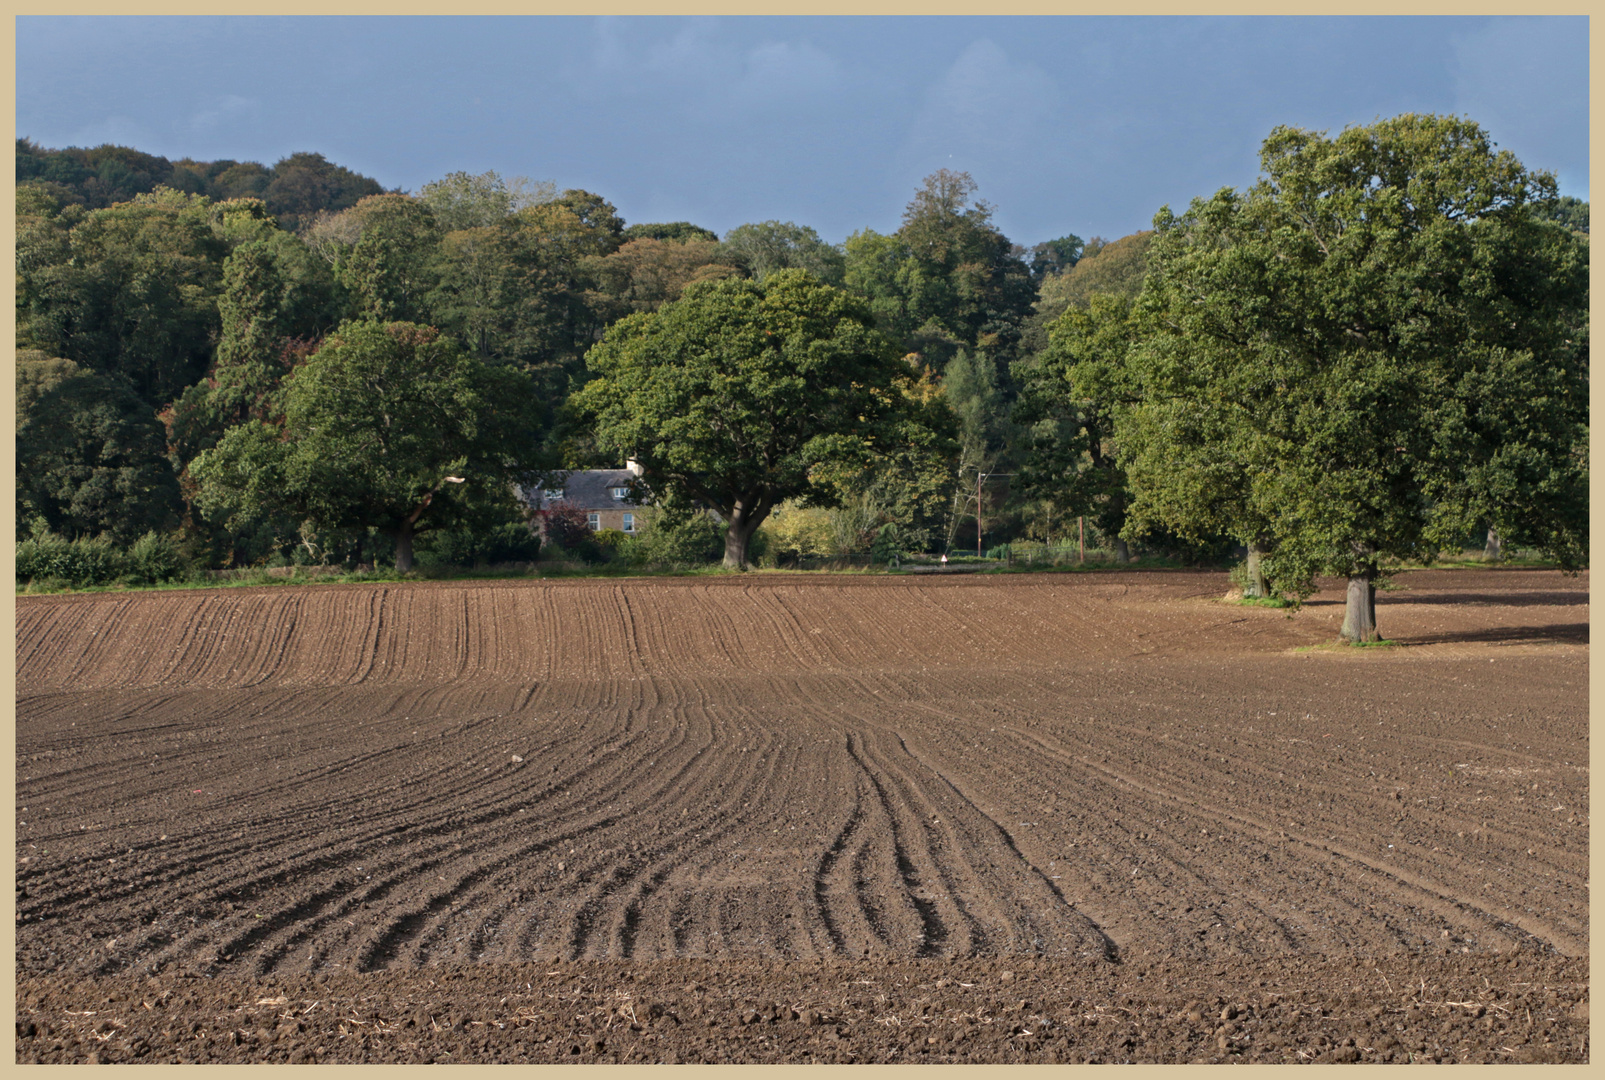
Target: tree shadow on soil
{"points": [[1562, 633], [1517, 599]]}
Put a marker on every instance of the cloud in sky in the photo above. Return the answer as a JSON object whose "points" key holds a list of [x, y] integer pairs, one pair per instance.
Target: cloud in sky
{"points": [[1067, 123], [228, 109], [707, 70], [984, 106]]}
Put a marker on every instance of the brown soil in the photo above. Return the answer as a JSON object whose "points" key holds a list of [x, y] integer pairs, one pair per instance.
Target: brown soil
{"points": [[781, 818]]}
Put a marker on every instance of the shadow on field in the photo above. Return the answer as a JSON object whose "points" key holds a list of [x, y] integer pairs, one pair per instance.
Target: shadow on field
{"points": [[1563, 633], [1510, 599]]}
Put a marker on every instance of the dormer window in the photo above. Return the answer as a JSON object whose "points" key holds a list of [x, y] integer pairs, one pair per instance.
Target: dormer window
{"points": [[620, 493]]}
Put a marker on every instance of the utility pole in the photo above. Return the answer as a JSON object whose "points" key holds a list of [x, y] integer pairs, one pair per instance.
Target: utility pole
{"points": [[978, 475]]}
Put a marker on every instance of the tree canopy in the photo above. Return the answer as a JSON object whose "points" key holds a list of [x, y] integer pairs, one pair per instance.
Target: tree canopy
{"points": [[375, 428], [90, 455], [734, 395], [1386, 337], [1379, 344], [767, 246]]}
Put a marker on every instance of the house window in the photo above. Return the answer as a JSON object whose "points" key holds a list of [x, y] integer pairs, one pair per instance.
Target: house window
{"points": [[594, 521], [629, 523], [621, 493], [555, 495]]}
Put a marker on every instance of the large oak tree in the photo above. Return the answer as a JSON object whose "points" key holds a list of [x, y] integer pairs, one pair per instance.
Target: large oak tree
{"points": [[1379, 346], [736, 395]]}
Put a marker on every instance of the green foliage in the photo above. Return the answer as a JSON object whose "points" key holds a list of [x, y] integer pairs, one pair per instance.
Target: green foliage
{"points": [[1069, 398], [506, 540], [90, 454], [1568, 210], [390, 269], [131, 289], [677, 231], [795, 531], [643, 275], [304, 185], [154, 558], [1114, 269], [374, 426], [1288, 588], [948, 277], [1376, 346], [1055, 256], [272, 288], [301, 184], [768, 246], [683, 541], [46, 557], [733, 395], [462, 201]]}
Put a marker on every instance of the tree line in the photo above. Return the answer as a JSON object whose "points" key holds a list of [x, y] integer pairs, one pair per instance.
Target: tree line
{"points": [[1372, 353]]}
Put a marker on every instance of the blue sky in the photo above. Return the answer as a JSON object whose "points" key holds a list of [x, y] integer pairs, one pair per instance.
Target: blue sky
{"points": [[1068, 124]]}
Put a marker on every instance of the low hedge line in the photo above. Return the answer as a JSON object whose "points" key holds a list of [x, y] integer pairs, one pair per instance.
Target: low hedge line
{"points": [[46, 557]]}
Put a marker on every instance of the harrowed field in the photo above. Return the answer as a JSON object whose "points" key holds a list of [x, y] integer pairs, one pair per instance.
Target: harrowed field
{"points": [[779, 817]]}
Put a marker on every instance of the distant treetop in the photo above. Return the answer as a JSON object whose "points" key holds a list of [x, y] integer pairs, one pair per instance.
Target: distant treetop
{"points": [[678, 231], [1570, 211], [295, 189]]}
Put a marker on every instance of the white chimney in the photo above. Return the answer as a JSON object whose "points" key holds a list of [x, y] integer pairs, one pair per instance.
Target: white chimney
{"points": [[634, 466]]}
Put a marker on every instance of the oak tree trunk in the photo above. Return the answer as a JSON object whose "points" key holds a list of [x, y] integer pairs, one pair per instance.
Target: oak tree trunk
{"points": [[1360, 611], [1254, 587], [1122, 552], [404, 548], [744, 521], [1491, 550]]}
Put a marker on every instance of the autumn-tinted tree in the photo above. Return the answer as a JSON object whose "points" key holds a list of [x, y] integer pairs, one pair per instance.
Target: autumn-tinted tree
{"points": [[463, 201], [643, 275], [733, 395]]}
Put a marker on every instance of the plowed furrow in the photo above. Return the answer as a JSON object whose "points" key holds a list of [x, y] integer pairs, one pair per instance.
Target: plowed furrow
{"points": [[1114, 766]]}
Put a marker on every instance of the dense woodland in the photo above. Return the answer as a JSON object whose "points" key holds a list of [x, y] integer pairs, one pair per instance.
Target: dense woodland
{"points": [[222, 364]]}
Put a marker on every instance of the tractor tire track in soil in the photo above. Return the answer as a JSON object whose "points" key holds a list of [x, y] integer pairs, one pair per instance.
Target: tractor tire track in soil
{"points": [[1083, 777]]}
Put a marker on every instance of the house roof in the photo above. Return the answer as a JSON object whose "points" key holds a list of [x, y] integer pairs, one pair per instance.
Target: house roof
{"points": [[589, 489]]}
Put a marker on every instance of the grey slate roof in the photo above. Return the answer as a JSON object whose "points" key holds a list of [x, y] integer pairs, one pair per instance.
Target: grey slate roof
{"points": [[588, 489]]}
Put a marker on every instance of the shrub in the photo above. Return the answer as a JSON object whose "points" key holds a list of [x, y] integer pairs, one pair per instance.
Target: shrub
{"points": [[565, 525], [154, 558], [888, 544], [77, 563], [694, 540], [508, 541]]}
